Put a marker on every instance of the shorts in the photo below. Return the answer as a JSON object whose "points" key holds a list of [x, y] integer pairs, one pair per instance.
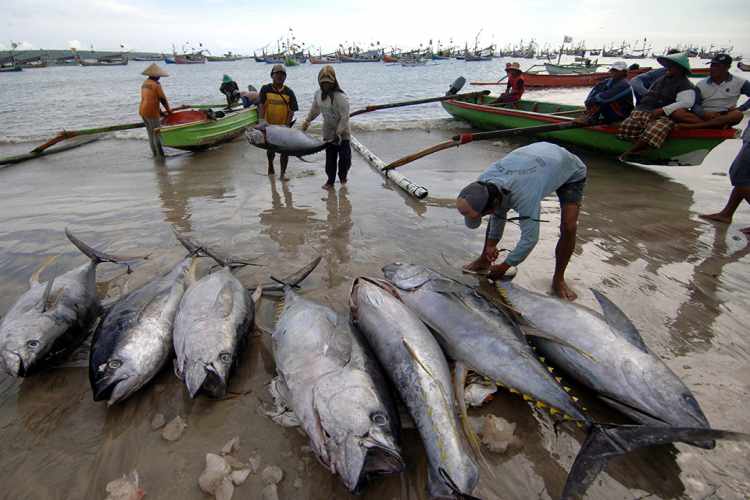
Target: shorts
{"points": [[640, 125], [571, 192], [739, 172]]}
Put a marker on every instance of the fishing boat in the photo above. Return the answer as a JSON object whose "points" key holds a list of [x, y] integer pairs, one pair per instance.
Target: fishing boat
{"points": [[685, 147], [743, 67], [568, 69], [152, 58], [111, 60], [412, 59], [391, 58], [700, 72], [225, 58], [197, 129], [324, 59], [32, 63], [540, 80], [10, 69]]}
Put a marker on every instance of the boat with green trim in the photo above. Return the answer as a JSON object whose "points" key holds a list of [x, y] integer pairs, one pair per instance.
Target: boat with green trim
{"points": [[197, 130], [683, 147]]}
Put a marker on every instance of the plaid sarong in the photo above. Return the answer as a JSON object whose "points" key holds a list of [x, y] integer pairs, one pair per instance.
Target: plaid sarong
{"points": [[640, 125]]}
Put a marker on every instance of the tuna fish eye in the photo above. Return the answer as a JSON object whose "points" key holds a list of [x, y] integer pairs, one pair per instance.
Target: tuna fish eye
{"points": [[379, 418], [225, 357], [114, 364], [32, 344]]}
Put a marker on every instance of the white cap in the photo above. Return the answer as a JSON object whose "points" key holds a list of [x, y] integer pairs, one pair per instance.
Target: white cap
{"points": [[619, 66]]}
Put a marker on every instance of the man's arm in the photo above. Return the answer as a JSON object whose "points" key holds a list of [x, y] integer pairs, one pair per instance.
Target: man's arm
{"points": [[262, 104], [163, 99], [615, 93], [684, 100], [312, 114], [529, 238]]}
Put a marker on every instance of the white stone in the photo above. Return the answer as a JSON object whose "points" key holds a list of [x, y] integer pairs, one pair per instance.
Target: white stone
{"points": [[158, 422], [270, 492], [216, 471], [125, 488], [231, 446], [272, 474], [174, 429]]}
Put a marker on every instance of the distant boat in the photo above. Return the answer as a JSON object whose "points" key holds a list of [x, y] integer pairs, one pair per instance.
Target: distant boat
{"points": [[324, 59], [570, 69], [149, 58], [193, 58], [409, 60], [10, 68], [113, 60], [226, 57]]}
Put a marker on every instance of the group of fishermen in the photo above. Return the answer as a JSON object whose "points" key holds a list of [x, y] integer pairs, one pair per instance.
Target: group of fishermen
{"points": [[277, 104], [665, 98]]}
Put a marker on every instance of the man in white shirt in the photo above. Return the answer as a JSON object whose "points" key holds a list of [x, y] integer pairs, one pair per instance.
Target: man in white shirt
{"points": [[719, 93]]}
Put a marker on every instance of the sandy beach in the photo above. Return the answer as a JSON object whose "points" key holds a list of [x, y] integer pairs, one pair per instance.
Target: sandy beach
{"points": [[684, 283]]}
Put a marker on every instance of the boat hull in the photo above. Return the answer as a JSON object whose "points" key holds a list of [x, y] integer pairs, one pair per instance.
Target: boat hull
{"points": [[536, 80], [203, 133], [567, 69], [684, 147]]}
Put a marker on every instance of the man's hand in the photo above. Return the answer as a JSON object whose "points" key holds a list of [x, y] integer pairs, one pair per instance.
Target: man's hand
{"points": [[497, 272], [305, 125], [490, 253]]}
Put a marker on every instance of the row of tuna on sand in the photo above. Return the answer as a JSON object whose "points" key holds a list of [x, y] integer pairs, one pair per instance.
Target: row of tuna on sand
{"points": [[336, 375]]}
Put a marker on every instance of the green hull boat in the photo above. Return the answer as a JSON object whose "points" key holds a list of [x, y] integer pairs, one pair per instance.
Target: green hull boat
{"points": [[193, 130], [684, 147]]}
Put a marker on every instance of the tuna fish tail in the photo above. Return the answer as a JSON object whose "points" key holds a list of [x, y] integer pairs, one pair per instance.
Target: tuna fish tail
{"points": [[277, 286], [460, 372], [97, 256], [605, 441], [192, 246]]}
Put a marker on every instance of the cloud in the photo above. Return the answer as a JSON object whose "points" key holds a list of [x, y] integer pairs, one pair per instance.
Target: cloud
{"points": [[74, 44]]}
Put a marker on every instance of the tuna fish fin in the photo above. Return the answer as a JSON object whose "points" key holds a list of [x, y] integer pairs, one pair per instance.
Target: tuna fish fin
{"points": [[530, 331], [192, 246], [43, 304], [257, 294], [294, 279], [35, 275], [281, 413], [194, 376], [618, 322], [606, 441], [453, 487], [224, 301], [96, 255], [459, 383]]}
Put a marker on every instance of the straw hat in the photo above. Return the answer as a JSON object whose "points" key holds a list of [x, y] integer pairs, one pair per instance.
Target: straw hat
{"points": [[514, 66], [155, 71], [278, 68], [680, 59], [327, 74]]}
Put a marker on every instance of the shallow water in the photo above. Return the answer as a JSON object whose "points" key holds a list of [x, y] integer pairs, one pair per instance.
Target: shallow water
{"points": [[684, 283]]}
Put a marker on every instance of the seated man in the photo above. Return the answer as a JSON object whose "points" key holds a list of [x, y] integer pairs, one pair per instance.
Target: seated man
{"points": [[515, 88], [650, 123], [250, 98], [718, 98], [610, 100], [643, 82], [230, 89]]}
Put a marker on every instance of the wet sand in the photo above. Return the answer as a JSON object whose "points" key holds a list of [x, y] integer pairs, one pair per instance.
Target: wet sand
{"points": [[684, 282]]}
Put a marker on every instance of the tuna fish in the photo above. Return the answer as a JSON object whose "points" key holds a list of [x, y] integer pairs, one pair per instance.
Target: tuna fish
{"points": [[334, 389], [479, 334], [211, 327], [284, 140], [417, 367], [52, 318], [134, 339]]}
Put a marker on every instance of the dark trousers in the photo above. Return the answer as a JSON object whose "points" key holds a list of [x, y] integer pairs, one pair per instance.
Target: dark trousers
{"points": [[341, 152]]}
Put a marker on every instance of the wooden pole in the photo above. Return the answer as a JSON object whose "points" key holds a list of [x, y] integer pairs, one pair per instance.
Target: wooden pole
{"points": [[67, 134], [418, 101], [400, 180], [58, 149]]}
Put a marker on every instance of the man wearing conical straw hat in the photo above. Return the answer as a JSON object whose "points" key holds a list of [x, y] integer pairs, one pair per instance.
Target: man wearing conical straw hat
{"points": [[152, 96]]}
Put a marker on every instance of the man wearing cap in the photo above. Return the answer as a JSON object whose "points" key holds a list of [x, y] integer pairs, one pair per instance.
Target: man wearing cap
{"points": [[610, 100], [152, 96], [277, 106], [520, 181], [650, 123], [514, 89], [641, 83], [719, 93], [230, 89]]}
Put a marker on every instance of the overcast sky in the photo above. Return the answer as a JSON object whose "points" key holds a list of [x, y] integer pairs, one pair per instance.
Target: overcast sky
{"points": [[245, 25]]}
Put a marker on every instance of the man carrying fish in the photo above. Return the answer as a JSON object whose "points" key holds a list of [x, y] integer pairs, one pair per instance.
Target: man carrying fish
{"points": [[277, 106], [520, 181]]}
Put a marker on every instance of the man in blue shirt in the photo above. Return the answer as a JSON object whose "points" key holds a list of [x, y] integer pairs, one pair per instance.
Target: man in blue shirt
{"points": [[520, 181], [610, 100], [641, 83]]}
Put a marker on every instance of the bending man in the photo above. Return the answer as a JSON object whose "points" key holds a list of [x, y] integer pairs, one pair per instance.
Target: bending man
{"points": [[520, 181]]}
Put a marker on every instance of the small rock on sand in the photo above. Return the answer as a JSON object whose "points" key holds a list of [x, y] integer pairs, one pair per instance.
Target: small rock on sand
{"points": [[217, 470], [254, 463], [272, 474], [239, 476], [298, 483], [231, 446], [158, 422], [174, 429], [125, 488], [270, 492], [497, 433]]}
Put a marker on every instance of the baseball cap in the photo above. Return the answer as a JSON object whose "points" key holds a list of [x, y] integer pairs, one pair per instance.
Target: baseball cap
{"points": [[619, 66], [722, 59], [278, 68], [476, 196]]}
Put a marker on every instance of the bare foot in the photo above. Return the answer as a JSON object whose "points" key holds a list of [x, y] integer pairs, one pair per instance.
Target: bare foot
{"points": [[479, 266], [716, 217], [285, 178], [327, 186], [562, 290], [271, 171], [343, 181]]}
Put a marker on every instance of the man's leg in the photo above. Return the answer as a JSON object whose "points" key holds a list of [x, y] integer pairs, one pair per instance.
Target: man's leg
{"points": [[270, 155], [739, 174], [653, 136], [564, 250], [686, 117], [332, 155], [345, 160], [717, 120], [284, 161]]}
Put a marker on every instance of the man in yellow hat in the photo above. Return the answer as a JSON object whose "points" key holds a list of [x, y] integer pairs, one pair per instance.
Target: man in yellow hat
{"points": [[277, 104], [152, 96]]}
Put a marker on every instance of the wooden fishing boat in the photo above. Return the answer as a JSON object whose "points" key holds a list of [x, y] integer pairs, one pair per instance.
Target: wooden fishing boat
{"points": [[326, 59], [743, 67], [390, 58], [196, 130], [10, 69], [699, 72], [568, 69], [228, 57], [113, 60], [685, 147], [194, 58], [540, 80]]}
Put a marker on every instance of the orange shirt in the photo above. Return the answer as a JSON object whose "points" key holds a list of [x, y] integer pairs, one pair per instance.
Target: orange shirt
{"points": [[151, 95]]}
